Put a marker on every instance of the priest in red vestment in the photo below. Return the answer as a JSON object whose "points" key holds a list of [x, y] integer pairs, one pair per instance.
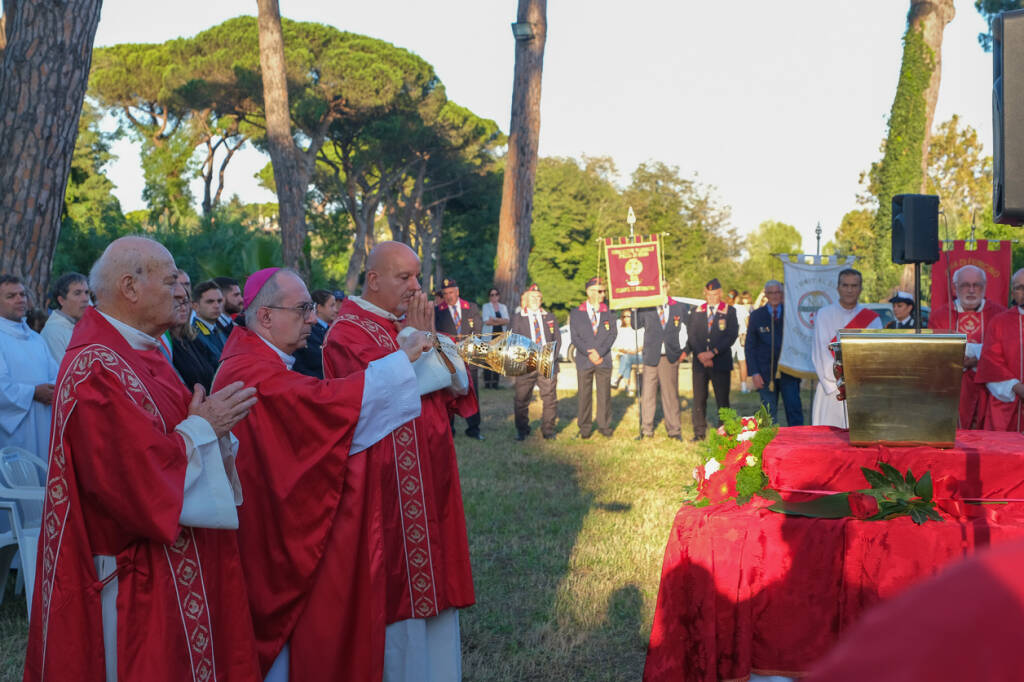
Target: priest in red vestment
{"points": [[971, 314], [1001, 368], [310, 525], [426, 552], [138, 575]]}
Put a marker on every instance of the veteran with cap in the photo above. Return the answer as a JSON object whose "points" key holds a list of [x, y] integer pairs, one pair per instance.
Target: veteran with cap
{"points": [[712, 330], [903, 310], [592, 329], [458, 317]]}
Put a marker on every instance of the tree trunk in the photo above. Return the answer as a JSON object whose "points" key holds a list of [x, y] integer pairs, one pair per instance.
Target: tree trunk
{"points": [[292, 168], [930, 18], [43, 78], [521, 161]]}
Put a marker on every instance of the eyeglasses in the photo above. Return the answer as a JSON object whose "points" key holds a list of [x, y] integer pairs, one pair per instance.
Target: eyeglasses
{"points": [[492, 295], [303, 309]]}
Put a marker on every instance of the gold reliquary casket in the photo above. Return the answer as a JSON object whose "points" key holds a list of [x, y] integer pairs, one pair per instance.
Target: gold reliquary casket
{"points": [[901, 388]]}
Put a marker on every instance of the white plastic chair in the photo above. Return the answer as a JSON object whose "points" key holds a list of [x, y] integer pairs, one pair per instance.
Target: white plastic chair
{"points": [[22, 477]]}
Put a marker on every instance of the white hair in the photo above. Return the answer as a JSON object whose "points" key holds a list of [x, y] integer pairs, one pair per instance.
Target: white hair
{"points": [[968, 268], [772, 283]]}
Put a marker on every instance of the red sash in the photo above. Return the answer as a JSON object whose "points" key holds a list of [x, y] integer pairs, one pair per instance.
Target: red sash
{"points": [[860, 321]]}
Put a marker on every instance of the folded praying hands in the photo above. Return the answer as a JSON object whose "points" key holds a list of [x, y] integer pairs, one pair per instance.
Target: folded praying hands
{"points": [[223, 409]]}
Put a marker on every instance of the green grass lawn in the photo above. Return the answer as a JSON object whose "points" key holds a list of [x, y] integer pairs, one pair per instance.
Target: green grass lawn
{"points": [[566, 538]]}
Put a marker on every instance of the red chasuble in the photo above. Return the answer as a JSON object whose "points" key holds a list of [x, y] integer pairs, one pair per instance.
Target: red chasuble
{"points": [[1002, 359], [116, 487], [974, 396], [310, 523], [426, 552]]}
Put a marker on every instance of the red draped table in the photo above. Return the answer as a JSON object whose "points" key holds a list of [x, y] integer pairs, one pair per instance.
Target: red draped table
{"points": [[744, 589]]}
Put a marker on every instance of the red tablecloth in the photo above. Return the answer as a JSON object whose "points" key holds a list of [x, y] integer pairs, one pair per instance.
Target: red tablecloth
{"points": [[744, 589], [987, 464]]}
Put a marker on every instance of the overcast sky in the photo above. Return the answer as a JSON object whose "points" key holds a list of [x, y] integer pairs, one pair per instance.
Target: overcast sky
{"points": [[780, 105]]}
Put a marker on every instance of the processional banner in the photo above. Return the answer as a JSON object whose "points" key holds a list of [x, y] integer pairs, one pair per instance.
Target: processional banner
{"points": [[809, 283], [634, 271], [994, 257]]}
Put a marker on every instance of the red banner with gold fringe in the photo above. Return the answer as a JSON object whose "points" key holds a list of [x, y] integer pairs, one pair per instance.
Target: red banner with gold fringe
{"points": [[634, 271], [994, 257]]}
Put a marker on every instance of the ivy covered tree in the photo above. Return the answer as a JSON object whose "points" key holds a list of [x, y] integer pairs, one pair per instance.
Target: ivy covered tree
{"points": [[903, 167]]}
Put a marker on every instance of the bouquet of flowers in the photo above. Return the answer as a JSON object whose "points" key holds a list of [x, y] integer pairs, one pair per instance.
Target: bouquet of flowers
{"points": [[730, 467]]}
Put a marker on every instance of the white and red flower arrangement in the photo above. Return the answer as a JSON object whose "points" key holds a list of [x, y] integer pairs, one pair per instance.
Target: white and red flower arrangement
{"points": [[730, 467]]}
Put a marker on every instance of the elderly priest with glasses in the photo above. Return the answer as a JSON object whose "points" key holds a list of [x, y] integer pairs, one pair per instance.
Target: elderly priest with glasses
{"points": [[308, 526]]}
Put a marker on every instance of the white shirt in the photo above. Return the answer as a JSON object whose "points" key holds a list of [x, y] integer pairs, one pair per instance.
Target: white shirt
{"points": [[827, 410], [487, 311], [57, 333]]}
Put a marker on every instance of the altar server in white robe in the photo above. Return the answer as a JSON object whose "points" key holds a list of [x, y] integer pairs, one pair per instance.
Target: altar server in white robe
{"points": [[846, 313], [27, 374]]}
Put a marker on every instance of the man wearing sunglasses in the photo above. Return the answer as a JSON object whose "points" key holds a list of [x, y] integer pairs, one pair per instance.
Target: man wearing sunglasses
{"points": [[592, 329]]}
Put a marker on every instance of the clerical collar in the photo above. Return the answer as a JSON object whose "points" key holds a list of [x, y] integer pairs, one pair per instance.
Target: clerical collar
{"points": [[371, 308], [18, 330], [960, 308], [138, 340], [288, 360]]}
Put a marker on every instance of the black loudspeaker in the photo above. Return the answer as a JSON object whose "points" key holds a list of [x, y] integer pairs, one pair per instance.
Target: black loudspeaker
{"points": [[915, 228], [1008, 118]]}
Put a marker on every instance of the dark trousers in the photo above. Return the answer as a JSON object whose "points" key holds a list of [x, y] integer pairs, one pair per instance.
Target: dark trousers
{"points": [[491, 379], [789, 387], [666, 377], [473, 420], [585, 380], [524, 394], [720, 383]]}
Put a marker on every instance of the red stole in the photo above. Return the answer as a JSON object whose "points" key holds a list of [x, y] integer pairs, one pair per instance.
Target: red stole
{"points": [[115, 486], [425, 549], [1002, 359], [294, 466], [860, 321]]}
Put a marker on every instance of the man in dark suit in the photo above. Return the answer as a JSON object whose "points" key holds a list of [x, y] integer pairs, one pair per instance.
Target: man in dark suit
{"points": [[310, 360], [763, 347], [457, 318], [539, 326], [592, 329], [712, 330], [661, 355]]}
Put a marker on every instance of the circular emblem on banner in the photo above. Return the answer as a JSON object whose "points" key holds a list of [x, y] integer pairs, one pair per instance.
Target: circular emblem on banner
{"points": [[809, 304], [633, 268]]}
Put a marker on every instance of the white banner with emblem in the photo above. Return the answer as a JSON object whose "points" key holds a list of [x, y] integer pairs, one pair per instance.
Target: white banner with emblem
{"points": [[809, 283]]}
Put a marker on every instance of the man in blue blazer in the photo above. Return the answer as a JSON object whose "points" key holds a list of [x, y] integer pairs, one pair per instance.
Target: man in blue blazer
{"points": [[763, 346], [592, 329], [661, 355]]}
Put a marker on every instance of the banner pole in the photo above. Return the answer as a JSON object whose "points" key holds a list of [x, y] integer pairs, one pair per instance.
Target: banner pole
{"points": [[635, 323]]}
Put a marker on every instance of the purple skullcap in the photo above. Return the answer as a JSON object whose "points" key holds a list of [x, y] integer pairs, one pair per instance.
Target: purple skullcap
{"points": [[255, 283]]}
